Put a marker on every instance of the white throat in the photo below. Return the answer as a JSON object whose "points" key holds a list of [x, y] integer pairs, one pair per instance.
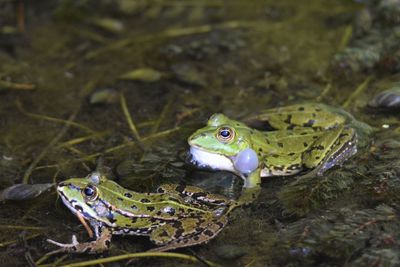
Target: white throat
{"points": [[212, 160]]}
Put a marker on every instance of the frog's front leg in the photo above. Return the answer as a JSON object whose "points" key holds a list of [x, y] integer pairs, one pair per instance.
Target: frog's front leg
{"points": [[101, 244], [251, 190]]}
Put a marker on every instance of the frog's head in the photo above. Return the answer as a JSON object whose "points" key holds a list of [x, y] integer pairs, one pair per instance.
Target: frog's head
{"points": [[223, 144], [83, 196]]}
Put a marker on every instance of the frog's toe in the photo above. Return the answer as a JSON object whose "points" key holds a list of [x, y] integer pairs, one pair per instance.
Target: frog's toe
{"points": [[74, 243], [63, 246]]}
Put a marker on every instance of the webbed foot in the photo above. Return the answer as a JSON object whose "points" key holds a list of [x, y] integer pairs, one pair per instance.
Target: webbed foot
{"points": [[99, 245]]}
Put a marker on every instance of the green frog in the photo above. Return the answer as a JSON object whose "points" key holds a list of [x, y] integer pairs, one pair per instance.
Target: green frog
{"points": [[175, 216], [303, 137]]}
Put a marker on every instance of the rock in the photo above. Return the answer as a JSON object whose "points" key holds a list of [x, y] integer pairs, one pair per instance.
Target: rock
{"points": [[388, 99]]}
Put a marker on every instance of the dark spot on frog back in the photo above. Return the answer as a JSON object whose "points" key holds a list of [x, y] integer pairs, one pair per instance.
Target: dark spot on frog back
{"points": [[128, 195], [145, 200], [160, 190], [208, 233], [163, 234], [179, 232], [220, 224], [318, 147], [180, 188], [310, 123], [288, 119], [151, 208]]}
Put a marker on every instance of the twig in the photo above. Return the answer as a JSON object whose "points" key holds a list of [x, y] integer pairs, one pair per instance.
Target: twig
{"points": [[55, 263], [7, 243], [164, 112], [203, 3], [79, 140], [324, 92], [16, 86], [53, 142], [146, 123], [170, 33], [135, 255], [21, 16], [161, 134], [130, 121], [21, 227], [45, 117], [345, 37], [358, 91], [371, 222], [112, 149]]}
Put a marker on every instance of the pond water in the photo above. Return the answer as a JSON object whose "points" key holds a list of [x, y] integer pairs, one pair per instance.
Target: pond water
{"points": [[120, 85]]}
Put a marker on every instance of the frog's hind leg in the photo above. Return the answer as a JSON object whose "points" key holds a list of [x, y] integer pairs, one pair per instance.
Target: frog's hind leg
{"points": [[344, 147], [331, 149], [172, 236]]}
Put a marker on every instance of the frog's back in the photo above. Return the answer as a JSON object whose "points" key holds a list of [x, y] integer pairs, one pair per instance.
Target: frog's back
{"points": [[311, 115]]}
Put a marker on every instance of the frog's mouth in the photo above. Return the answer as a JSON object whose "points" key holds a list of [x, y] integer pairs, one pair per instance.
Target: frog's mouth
{"points": [[72, 204], [215, 161]]}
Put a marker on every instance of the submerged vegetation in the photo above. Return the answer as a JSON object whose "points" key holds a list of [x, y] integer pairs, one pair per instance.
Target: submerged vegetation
{"points": [[126, 82]]}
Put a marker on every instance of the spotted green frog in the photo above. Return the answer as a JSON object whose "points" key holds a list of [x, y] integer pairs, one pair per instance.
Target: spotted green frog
{"points": [[304, 137], [176, 216]]}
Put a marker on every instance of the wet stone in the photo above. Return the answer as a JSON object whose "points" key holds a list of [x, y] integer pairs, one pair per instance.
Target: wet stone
{"points": [[388, 99], [23, 191], [189, 74]]}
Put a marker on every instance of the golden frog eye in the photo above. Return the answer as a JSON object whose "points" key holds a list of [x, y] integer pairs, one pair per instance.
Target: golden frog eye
{"points": [[225, 134], [90, 192]]}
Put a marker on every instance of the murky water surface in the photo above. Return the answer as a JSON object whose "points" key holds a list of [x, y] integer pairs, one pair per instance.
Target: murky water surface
{"points": [[71, 71]]}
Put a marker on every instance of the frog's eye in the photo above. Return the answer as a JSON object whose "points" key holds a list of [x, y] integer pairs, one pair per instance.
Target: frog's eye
{"points": [[225, 134], [90, 192]]}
